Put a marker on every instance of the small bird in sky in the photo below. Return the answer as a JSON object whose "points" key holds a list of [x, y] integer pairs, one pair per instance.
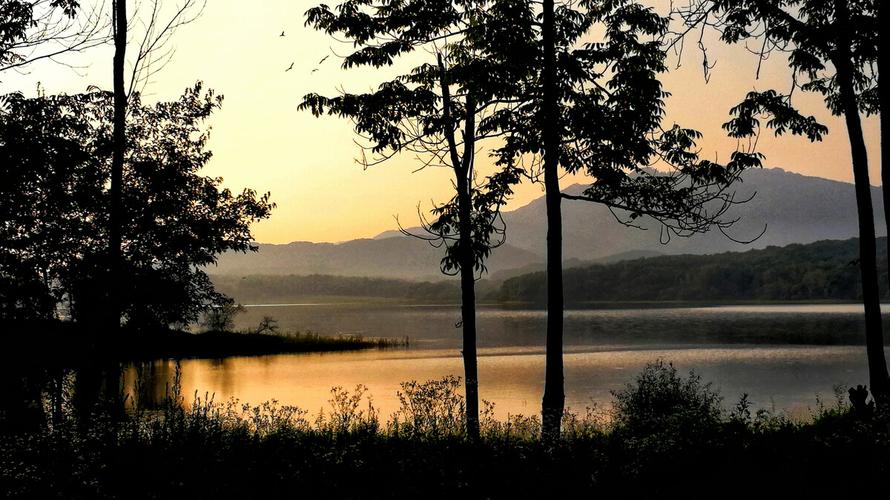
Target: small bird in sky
{"points": [[289, 67], [314, 70], [282, 34]]}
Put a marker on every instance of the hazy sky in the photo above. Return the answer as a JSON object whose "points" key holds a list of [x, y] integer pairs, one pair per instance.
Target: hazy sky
{"points": [[260, 140]]}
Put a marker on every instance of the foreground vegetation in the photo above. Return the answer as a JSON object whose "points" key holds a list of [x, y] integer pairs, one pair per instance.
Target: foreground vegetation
{"points": [[665, 435], [66, 344]]}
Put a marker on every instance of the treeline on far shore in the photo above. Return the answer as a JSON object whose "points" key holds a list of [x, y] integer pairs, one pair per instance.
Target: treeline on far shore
{"points": [[824, 270]]}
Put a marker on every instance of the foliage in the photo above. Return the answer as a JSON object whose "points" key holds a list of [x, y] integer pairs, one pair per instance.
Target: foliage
{"points": [[421, 111], [221, 317], [660, 403], [51, 197], [610, 120], [805, 30], [430, 410], [176, 219], [206, 449], [18, 16]]}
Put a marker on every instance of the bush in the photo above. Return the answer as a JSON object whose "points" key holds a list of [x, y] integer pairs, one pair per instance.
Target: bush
{"points": [[662, 402], [430, 410], [221, 317]]}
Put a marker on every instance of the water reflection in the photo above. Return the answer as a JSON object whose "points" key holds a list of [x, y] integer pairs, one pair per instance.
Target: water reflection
{"points": [[435, 326], [788, 378], [782, 356]]}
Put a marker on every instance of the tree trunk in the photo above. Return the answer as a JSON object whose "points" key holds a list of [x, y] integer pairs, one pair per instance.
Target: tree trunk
{"points": [[884, 108], [467, 274], [874, 337], [463, 172], [553, 403], [117, 166]]}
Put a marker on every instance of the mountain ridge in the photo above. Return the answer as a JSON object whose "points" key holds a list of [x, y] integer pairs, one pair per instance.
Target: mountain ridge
{"points": [[794, 208]]}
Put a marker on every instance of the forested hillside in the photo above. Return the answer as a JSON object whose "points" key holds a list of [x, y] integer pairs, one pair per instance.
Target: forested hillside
{"points": [[824, 270]]}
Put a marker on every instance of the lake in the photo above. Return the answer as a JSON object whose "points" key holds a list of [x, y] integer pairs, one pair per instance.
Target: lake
{"points": [[783, 356]]}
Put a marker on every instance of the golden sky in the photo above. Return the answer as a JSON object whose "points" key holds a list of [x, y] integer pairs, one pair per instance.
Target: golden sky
{"points": [[260, 140]]}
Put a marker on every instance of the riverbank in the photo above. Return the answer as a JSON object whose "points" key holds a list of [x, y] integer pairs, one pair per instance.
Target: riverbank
{"points": [[61, 343], [665, 436]]}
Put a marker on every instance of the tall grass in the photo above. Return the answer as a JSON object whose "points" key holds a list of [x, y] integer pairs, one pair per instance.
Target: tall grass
{"points": [[666, 435]]}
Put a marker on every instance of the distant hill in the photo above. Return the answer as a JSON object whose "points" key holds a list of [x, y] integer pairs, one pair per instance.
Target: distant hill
{"points": [[794, 209], [269, 289], [824, 270], [398, 257]]}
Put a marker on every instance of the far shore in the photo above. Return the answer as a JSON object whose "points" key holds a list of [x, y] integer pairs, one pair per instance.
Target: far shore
{"points": [[66, 344], [341, 300]]}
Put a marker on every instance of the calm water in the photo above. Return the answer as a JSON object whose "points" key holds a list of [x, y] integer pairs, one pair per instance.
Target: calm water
{"points": [[784, 357]]}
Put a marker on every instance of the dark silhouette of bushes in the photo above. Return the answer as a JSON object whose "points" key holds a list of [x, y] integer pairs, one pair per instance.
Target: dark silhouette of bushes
{"points": [[668, 436]]}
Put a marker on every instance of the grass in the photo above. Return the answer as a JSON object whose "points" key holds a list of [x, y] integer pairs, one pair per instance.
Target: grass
{"points": [[222, 344], [665, 436], [58, 343]]}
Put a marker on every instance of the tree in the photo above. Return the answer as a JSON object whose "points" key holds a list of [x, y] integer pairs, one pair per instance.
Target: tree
{"points": [[597, 107], [49, 191], [553, 403], [181, 221], [420, 112], [880, 40], [831, 58], [118, 149], [46, 29], [154, 39]]}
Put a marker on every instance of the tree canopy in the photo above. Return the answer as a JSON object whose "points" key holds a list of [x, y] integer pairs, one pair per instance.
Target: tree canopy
{"points": [[55, 216]]}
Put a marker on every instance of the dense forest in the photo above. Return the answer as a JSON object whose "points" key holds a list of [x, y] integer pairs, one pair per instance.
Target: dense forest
{"points": [[271, 289], [825, 270]]}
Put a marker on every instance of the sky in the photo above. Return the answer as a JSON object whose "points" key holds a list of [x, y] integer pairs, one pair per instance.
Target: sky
{"points": [[260, 140]]}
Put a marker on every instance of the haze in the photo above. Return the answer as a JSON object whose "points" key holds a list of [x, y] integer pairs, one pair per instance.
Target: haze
{"points": [[260, 140]]}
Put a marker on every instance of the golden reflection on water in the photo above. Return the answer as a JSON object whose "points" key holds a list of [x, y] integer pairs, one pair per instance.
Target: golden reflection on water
{"points": [[786, 378]]}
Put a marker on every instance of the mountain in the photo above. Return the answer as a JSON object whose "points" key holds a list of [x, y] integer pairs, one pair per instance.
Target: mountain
{"points": [[824, 270], [792, 208], [398, 257]]}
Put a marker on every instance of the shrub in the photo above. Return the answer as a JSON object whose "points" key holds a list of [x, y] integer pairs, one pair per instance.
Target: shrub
{"points": [[221, 317], [432, 409], [660, 401]]}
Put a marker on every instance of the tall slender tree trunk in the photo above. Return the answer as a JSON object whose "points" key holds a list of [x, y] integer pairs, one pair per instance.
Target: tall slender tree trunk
{"points": [[874, 336], [884, 108], [463, 172], [553, 403], [467, 274], [117, 166]]}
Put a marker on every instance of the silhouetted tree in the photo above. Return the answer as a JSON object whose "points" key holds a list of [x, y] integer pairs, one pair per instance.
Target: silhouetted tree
{"points": [[553, 402], [832, 56], [421, 112], [880, 39], [111, 286], [595, 106], [155, 37], [51, 188], [46, 29], [180, 221]]}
